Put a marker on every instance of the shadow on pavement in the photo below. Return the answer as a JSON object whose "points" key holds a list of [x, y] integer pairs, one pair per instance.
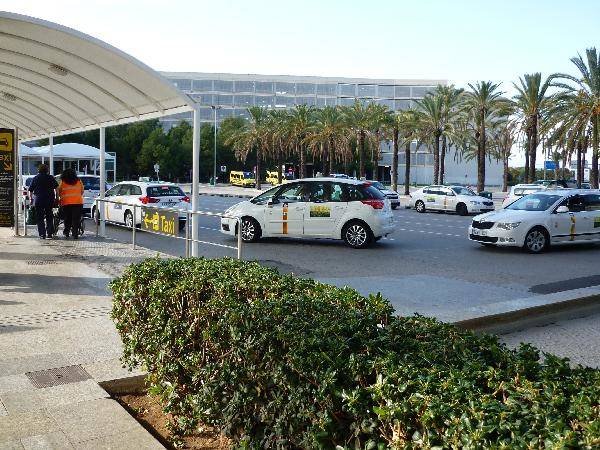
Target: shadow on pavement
{"points": [[49, 284]]}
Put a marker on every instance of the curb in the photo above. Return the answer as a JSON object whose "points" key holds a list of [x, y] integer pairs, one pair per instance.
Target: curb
{"points": [[578, 305]]}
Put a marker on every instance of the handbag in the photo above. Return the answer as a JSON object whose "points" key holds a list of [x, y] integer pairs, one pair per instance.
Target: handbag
{"points": [[31, 216]]}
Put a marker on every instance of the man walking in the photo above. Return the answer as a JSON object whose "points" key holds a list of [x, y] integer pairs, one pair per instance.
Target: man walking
{"points": [[43, 188]]}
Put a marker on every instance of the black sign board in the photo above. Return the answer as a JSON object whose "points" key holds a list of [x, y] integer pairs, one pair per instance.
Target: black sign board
{"points": [[158, 220], [7, 177]]}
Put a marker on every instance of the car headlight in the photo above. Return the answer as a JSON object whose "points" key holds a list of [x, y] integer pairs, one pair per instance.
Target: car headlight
{"points": [[508, 225], [474, 202]]}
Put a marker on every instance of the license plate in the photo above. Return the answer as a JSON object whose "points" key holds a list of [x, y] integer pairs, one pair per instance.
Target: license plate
{"points": [[168, 204], [477, 232]]}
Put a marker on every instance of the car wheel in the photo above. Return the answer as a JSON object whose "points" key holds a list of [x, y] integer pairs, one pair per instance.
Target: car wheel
{"points": [[250, 230], [394, 206], [182, 225], [357, 235], [461, 209], [537, 240], [420, 206], [128, 219]]}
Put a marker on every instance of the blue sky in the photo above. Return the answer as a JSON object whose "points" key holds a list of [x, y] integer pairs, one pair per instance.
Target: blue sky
{"points": [[461, 40]]}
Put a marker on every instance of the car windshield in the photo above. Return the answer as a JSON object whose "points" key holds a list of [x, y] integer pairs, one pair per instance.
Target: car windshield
{"points": [[164, 191], [525, 191], [378, 185], [459, 190], [90, 183], [248, 175], [534, 202], [263, 198]]}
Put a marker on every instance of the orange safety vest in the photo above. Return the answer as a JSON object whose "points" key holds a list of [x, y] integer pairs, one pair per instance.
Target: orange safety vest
{"points": [[70, 194]]}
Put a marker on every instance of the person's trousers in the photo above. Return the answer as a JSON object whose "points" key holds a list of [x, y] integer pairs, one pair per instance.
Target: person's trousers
{"points": [[72, 217], [45, 223]]}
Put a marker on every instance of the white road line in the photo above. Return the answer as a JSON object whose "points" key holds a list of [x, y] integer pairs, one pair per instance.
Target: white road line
{"points": [[429, 232]]}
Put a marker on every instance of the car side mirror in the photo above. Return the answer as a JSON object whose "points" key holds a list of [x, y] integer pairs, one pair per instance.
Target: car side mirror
{"points": [[562, 209]]}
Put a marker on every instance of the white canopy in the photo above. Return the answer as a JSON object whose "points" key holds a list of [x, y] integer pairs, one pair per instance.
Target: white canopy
{"points": [[64, 151], [56, 80]]}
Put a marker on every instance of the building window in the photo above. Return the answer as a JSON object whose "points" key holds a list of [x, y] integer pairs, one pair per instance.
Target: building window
{"points": [[347, 90], [206, 114], [183, 84], [333, 101], [367, 90], [402, 105], [402, 92], [244, 100], [203, 99], [305, 88], [241, 113], [320, 102], [284, 102], [264, 87], [224, 114], [244, 86], [223, 86], [202, 85], [224, 100], [285, 88], [385, 91], [265, 101], [420, 92], [386, 102], [344, 101], [306, 100], [326, 89]]}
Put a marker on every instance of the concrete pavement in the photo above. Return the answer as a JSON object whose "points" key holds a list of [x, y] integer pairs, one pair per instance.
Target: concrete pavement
{"points": [[57, 343]]}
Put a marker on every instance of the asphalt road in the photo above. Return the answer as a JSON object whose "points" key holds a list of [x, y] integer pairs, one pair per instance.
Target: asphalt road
{"points": [[427, 265]]}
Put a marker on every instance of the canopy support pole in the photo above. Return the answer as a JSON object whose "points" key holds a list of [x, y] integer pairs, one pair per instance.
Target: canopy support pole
{"points": [[195, 180], [101, 204], [51, 148], [16, 182]]}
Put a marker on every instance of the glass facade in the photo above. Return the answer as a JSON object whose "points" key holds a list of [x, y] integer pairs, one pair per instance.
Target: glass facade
{"points": [[234, 96]]}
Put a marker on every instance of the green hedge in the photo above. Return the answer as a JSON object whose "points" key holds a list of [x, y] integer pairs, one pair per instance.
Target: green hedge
{"points": [[275, 361]]}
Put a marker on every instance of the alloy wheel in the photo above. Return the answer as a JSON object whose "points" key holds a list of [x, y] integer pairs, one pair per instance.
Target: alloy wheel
{"points": [[128, 219], [535, 241], [356, 235], [420, 206], [248, 230]]}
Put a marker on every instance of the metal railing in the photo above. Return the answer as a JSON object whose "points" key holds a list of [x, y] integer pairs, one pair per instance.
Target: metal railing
{"points": [[98, 217]]}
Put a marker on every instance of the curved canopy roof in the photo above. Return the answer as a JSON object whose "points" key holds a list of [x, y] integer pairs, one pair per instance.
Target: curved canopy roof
{"points": [[55, 80], [69, 150]]}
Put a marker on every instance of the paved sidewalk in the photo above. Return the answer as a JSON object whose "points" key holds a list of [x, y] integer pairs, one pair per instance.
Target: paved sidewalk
{"points": [[54, 314]]}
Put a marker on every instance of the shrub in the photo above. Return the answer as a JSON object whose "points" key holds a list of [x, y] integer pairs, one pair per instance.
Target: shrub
{"points": [[275, 361]]}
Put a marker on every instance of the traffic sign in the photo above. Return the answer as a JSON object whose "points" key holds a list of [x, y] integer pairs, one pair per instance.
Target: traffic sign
{"points": [[550, 165], [7, 177], [223, 169]]}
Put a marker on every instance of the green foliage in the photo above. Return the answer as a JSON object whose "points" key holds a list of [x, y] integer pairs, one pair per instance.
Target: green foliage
{"points": [[275, 361]]}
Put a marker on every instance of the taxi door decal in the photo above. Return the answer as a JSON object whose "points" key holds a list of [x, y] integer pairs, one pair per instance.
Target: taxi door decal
{"points": [[320, 211], [430, 199], [284, 218], [596, 222], [572, 230], [445, 202]]}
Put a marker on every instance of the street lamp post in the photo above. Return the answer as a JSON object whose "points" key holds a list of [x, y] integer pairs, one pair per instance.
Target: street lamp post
{"points": [[214, 108]]}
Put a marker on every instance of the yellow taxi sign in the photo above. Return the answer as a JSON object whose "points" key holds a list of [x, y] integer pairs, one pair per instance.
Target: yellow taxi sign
{"points": [[6, 141]]}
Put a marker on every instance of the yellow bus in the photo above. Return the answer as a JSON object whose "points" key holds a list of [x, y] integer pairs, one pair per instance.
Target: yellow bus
{"points": [[272, 177], [243, 179]]}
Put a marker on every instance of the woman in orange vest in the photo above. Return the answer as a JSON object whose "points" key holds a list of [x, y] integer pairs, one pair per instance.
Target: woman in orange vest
{"points": [[70, 195]]}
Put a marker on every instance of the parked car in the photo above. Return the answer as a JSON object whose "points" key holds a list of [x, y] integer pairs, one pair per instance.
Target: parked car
{"points": [[157, 195], [537, 221], [389, 193], [519, 190], [459, 199], [243, 179], [91, 190], [354, 211]]}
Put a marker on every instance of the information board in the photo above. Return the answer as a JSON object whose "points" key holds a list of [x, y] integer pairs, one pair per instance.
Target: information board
{"points": [[7, 177], [160, 221]]}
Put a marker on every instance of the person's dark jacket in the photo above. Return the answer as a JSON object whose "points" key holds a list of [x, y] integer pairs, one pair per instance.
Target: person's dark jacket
{"points": [[42, 187]]}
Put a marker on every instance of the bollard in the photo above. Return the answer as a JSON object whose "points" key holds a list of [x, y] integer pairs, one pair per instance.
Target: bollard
{"points": [[94, 218], [187, 234], [239, 249], [133, 228]]}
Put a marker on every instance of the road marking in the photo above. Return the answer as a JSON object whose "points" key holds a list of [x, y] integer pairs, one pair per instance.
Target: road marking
{"points": [[429, 232]]}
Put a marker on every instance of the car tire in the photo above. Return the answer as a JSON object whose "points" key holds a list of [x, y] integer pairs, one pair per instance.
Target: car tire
{"points": [[394, 206], [357, 234], [461, 209], [182, 224], [128, 219], [251, 231], [537, 240], [420, 206]]}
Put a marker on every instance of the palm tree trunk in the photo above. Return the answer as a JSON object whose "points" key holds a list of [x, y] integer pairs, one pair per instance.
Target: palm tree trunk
{"points": [[395, 160], [526, 175], [375, 158], [279, 164], [361, 154], [579, 163], [482, 152], [258, 168], [436, 159], [533, 150], [331, 156], [505, 174], [594, 171], [442, 160], [407, 168], [300, 149]]}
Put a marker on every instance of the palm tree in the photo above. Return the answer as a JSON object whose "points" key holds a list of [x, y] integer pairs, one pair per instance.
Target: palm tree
{"points": [[379, 120], [504, 138], [329, 131], [532, 103], [431, 126], [359, 119], [250, 136], [587, 92], [482, 102], [451, 101], [300, 120]]}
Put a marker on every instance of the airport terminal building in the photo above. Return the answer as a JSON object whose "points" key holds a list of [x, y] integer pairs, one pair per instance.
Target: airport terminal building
{"points": [[229, 95]]}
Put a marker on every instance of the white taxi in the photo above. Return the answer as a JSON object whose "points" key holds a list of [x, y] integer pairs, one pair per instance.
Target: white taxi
{"points": [[352, 210], [152, 194], [458, 199], [538, 220], [519, 190]]}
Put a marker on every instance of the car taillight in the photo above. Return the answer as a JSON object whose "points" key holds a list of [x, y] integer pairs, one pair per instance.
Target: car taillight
{"points": [[146, 200], [185, 199], [375, 204]]}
